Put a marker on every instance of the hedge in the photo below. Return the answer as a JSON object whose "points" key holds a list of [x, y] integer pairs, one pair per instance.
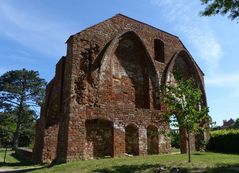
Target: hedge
{"points": [[225, 141]]}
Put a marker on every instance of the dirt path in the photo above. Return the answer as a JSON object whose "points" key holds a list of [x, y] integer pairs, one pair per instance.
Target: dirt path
{"points": [[12, 170]]}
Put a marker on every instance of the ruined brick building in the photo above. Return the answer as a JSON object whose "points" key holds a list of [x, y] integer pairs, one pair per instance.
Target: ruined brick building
{"points": [[104, 99]]}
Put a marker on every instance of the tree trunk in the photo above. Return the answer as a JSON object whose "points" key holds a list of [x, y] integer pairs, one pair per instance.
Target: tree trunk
{"points": [[16, 135], [17, 132], [5, 154], [189, 147]]}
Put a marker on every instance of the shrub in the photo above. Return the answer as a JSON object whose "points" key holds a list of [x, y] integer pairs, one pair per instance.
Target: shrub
{"points": [[175, 142], [225, 141]]}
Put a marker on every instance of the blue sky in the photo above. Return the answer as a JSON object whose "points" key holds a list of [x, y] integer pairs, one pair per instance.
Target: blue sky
{"points": [[33, 35]]}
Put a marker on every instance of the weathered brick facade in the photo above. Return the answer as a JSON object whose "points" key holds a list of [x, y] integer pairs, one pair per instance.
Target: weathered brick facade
{"points": [[104, 99]]}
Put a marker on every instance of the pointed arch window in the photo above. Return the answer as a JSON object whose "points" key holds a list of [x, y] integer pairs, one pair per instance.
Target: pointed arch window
{"points": [[159, 51]]}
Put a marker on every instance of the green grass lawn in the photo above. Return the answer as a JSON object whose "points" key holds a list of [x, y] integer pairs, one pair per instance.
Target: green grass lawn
{"points": [[201, 162], [14, 163]]}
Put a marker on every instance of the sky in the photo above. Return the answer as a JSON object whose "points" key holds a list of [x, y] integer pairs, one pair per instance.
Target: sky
{"points": [[33, 36]]}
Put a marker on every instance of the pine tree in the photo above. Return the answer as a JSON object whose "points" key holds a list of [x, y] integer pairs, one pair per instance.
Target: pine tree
{"points": [[19, 91]]}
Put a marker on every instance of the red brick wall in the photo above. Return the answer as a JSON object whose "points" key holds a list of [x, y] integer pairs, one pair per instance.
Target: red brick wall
{"points": [[109, 73], [99, 138], [152, 140]]}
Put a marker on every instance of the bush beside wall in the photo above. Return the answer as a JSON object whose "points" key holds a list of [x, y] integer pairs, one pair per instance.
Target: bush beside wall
{"points": [[225, 141]]}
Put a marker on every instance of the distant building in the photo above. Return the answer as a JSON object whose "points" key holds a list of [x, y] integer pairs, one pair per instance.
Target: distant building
{"points": [[228, 124]]}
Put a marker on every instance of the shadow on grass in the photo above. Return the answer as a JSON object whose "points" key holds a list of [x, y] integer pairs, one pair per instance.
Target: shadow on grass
{"points": [[155, 169], [140, 168], [198, 154], [20, 162], [19, 166], [233, 168]]}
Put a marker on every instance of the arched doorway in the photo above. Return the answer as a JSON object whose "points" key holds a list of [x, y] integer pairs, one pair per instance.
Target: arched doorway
{"points": [[152, 140], [99, 136], [132, 139]]}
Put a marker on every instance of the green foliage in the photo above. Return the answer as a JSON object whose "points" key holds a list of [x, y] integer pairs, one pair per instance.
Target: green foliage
{"points": [[18, 86], [20, 92], [175, 143], [230, 7], [183, 106], [224, 132], [200, 145], [236, 125], [226, 141], [26, 137], [7, 127], [27, 131]]}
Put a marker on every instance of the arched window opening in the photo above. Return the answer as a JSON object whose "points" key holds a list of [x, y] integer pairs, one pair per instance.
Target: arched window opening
{"points": [[159, 50], [131, 73], [152, 140], [132, 139], [99, 136]]}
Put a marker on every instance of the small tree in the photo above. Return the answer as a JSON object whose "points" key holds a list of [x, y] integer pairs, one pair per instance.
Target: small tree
{"points": [[19, 91], [183, 108], [223, 7]]}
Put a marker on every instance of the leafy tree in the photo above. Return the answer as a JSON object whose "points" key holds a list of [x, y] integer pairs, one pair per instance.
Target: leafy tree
{"points": [[236, 124], [183, 108], [28, 128], [20, 90], [7, 127], [230, 7]]}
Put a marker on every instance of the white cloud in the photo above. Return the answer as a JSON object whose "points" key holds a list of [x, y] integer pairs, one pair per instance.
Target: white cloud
{"points": [[228, 83], [183, 15], [33, 30], [235, 94], [230, 80]]}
